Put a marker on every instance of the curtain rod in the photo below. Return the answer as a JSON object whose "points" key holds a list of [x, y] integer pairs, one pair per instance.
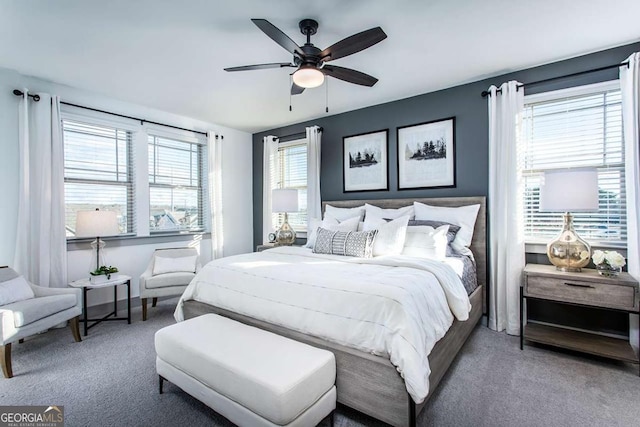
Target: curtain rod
{"points": [[580, 73], [295, 135], [36, 98], [18, 92]]}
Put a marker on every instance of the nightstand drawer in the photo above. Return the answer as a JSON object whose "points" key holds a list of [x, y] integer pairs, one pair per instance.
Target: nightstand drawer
{"points": [[581, 292]]}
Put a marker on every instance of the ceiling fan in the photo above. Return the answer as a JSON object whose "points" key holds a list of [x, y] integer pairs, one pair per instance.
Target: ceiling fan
{"points": [[311, 61]]}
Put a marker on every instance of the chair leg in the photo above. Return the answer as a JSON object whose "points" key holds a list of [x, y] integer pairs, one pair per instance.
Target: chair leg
{"points": [[5, 360], [74, 324], [154, 301], [160, 383], [144, 308]]}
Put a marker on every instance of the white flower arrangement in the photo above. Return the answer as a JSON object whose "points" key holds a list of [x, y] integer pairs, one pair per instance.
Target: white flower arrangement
{"points": [[611, 258]]}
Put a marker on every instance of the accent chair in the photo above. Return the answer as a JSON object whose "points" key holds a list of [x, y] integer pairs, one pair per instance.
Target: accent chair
{"points": [[171, 279], [46, 308]]}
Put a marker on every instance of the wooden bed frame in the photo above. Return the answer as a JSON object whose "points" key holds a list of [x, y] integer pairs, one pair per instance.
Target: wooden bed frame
{"points": [[371, 384]]}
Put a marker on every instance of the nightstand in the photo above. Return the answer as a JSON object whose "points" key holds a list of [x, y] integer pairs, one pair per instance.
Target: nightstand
{"points": [[584, 289]]}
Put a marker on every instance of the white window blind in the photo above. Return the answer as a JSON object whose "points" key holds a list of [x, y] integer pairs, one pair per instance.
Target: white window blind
{"points": [[292, 159], [97, 172], [176, 191], [582, 130]]}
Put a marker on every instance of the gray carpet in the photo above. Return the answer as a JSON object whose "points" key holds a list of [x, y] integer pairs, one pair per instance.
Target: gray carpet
{"points": [[109, 380]]}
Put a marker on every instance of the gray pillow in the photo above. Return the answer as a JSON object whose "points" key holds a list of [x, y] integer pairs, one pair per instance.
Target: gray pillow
{"points": [[346, 243], [451, 234]]}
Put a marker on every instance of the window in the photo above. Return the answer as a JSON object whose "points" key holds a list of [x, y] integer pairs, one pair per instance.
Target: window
{"points": [[176, 191], [97, 172], [292, 165], [581, 127]]}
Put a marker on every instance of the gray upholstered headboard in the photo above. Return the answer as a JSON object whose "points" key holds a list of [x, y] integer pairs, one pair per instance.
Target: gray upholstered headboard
{"points": [[479, 242]]}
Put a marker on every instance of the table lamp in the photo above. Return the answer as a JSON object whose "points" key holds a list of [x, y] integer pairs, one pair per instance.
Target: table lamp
{"points": [[569, 190], [285, 200], [97, 224]]}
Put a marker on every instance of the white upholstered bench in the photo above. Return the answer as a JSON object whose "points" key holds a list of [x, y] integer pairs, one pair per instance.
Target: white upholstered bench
{"points": [[250, 376]]}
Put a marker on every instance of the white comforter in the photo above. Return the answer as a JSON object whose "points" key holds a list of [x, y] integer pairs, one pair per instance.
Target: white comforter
{"points": [[397, 307]]}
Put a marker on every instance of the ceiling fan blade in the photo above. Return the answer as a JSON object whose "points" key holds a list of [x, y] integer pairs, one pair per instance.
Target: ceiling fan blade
{"points": [[296, 90], [349, 75], [260, 66], [353, 44], [278, 36]]}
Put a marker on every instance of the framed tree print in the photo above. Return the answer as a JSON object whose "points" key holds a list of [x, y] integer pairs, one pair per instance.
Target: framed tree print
{"points": [[426, 155], [365, 161]]}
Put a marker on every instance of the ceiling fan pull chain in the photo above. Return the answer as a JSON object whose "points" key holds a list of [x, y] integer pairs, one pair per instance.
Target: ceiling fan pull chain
{"points": [[326, 101], [290, 83]]}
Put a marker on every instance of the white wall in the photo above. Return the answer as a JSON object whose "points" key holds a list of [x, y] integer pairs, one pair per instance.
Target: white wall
{"points": [[131, 260]]}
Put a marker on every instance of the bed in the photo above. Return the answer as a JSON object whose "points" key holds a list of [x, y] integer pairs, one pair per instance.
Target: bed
{"points": [[368, 382]]}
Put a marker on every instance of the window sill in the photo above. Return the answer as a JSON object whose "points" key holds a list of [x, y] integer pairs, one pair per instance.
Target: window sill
{"points": [[132, 240], [540, 247]]}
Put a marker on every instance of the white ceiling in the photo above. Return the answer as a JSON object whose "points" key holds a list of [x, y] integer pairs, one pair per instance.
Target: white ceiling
{"points": [[170, 54]]}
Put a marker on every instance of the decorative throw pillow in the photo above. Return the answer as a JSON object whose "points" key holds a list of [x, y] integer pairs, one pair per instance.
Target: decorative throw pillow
{"points": [[463, 216], [163, 265], [391, 235], [346, 243], [14, 290], [330, 223], [342, 214], [374, 211], [425, 241], [451, 234]]}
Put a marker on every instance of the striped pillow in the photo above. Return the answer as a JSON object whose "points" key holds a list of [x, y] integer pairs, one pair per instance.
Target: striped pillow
{"points": [[345, 243]]}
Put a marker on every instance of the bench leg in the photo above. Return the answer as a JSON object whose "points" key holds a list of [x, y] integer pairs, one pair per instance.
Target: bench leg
{"points": [[74, 324], [143, 301], [154, 301], [160, 383], [5, 360]]}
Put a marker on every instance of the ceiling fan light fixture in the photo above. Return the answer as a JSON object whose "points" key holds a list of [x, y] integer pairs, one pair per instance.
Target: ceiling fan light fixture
{"points": [[308, 76]]}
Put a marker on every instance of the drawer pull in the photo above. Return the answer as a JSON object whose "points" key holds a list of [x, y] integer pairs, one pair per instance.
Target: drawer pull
{"points": [[576, 285]]}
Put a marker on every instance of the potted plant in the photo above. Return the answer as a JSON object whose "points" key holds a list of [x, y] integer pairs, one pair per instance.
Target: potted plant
{"points": [[102, 274], [608, 263]]}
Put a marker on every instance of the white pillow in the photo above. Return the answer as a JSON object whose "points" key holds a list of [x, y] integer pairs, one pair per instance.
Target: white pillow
{"points": [[162, 265], [330, 223], [377, 212], [424, 241], [342, 214], [464, 216], [391, 235], [14, 290]]}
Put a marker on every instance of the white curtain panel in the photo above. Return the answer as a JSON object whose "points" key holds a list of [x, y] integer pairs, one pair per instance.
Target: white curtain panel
{"points": [[214, 149], [314, 200], [506, 239], [270, 171], [41, 246], [630, 88]]}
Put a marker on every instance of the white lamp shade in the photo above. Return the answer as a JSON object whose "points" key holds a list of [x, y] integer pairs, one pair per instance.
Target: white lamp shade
{"points": [[308, 77], [96, 224], [284, 200], [569, 190]]}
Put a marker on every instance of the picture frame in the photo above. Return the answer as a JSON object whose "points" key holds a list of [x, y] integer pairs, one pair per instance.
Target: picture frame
{"points": [[366, 162], [426, 155]]}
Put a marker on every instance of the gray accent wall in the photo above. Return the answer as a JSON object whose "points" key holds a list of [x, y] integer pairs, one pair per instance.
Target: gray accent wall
{"points": [[464, 102]]}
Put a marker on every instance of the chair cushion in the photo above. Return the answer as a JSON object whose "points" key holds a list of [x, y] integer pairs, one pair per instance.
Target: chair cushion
{"points": [[274, 377], [13, 290], [34, 309], [169, 279], [163, 265]]}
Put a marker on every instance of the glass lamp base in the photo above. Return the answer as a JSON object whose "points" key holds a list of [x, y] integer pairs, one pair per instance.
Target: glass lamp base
{"points": [[569, 252], [286, 236]]}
